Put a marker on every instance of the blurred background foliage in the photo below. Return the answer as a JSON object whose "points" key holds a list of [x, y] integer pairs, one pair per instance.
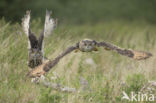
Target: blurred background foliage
{"points": [[126, 23], [81, 11]]}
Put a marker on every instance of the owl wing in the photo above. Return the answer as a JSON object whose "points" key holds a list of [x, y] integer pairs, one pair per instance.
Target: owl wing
{"points": [[137, 55], [40, 41], [26, 23], [47, 65], [32, 42], [49, 24]]}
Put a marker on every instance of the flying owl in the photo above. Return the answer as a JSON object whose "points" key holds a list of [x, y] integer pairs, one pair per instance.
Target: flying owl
{"points": [[35, 45], [87, 45]]}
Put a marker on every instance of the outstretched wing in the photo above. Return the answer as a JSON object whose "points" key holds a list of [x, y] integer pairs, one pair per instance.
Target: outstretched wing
{"points": [[50, 24], [47, 65], [138, 55]]}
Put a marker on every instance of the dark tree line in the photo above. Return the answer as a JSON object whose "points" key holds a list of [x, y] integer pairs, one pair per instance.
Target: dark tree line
{"points": [[79, 11]]}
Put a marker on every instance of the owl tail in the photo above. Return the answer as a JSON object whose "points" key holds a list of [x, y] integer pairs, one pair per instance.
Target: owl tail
{"points": [[137, 55]]}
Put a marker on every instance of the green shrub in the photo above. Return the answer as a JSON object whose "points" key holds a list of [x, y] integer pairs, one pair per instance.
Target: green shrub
{"points": [[135, 82], [47, 97]]}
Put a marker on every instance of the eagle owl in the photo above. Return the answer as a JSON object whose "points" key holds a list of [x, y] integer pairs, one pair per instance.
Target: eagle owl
{"points": [[40, 66], [88, 45], [35, 47]]}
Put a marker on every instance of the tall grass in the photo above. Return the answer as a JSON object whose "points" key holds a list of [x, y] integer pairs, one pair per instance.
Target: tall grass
{"points": [[106, 77]]}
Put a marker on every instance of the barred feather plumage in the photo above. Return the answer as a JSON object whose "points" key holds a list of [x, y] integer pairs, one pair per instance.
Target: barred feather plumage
{"points": [[50, 24]]}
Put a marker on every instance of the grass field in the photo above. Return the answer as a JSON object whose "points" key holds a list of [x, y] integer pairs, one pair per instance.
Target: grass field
{"points": [[107, 73]]}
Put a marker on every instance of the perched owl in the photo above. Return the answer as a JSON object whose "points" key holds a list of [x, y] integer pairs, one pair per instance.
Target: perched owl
{"points": [[35, 45], [87, 45]]}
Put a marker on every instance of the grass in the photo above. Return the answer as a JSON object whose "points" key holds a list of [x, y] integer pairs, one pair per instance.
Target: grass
{"points": [[105, 77]]}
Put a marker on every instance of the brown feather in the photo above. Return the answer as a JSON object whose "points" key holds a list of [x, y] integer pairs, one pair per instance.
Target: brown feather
{"points": [[137, 55], [46, 66]]}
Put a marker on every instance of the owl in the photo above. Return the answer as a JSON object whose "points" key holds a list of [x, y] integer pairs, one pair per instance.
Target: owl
{"points": [[35, 45], [88, 45]]}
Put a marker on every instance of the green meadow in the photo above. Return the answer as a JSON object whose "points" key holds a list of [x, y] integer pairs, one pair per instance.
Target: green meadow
{"points": [[107, 73]]}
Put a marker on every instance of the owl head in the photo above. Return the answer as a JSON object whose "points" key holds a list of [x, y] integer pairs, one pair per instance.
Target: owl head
{"points": [[87, 45]]}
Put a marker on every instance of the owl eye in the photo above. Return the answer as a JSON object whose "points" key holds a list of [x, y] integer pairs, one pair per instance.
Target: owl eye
{"points": [[85, 44]]}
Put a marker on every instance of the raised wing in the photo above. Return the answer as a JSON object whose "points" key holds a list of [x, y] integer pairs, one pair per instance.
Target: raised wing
{"points": [[137, 55], [32, 42], [40, 42], [26, 23], [50, 24]]}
